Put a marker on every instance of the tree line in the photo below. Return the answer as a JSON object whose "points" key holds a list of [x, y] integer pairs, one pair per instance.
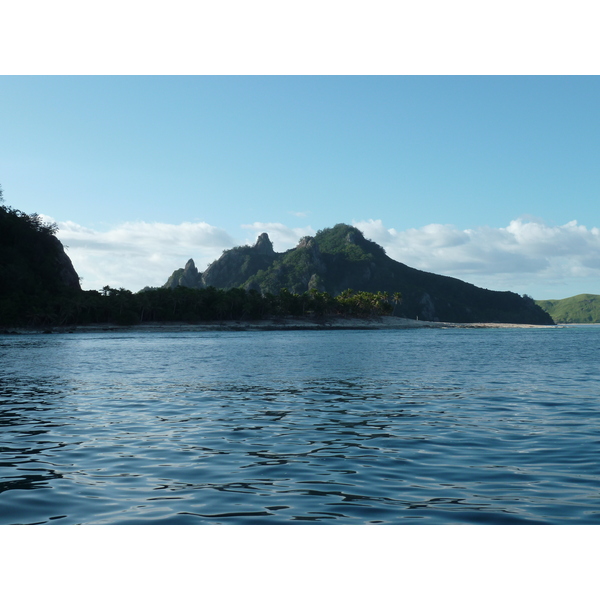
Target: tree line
{"points": [[123, 307]]}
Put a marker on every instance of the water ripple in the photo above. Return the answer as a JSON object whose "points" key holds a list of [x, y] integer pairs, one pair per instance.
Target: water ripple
{"points": [[366, 427]]}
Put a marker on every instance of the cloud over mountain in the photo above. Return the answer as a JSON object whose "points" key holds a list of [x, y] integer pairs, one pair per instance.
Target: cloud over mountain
{"points": [[527, 256], [282, 236], [524, 252], [137, 254]]}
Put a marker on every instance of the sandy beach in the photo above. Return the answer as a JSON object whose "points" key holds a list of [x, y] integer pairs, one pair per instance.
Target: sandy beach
{"points": [[276, 324]]}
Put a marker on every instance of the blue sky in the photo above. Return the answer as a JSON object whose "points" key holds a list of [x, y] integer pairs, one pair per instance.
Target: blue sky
{"points": [[479, 177]]}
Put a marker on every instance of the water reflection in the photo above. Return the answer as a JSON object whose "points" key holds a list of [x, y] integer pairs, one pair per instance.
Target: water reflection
{"points": [[25, 482]]}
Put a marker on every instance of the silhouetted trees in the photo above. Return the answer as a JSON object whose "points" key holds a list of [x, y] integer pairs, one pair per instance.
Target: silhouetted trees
{"points": [[122, 307]]}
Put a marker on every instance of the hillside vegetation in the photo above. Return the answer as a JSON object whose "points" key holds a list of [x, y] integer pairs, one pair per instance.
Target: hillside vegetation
{"points": [[583, 308], [34, 269], [340, 258]]}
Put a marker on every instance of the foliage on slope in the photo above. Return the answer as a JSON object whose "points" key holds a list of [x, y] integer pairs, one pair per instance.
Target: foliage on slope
{"points": [[33, 264], [340, 257], [583, 308]]}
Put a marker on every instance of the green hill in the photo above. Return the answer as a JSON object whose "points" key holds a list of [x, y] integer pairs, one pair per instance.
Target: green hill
{"points": [[340, 258], [583, 308]]}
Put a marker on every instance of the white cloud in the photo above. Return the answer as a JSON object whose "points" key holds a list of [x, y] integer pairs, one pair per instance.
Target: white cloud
{"points": [[282, 236], [138, 254], [525, 255]]}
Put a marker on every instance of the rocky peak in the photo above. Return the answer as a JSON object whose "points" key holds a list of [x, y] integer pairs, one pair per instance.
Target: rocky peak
{"points": [[352, 238], [188, 278], [66, 272], [190, 267], [264, 245], [311, 245], [306, 242]]}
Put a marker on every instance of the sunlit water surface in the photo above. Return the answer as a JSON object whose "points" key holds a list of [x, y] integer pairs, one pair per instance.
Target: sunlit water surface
{"points": [[350, 427]]}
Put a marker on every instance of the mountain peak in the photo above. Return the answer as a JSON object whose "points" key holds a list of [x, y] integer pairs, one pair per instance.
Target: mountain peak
{"points": [[264, 245]]}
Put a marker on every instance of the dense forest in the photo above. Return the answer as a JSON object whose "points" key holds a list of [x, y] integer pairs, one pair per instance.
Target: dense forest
{"points": [[122, 307]]}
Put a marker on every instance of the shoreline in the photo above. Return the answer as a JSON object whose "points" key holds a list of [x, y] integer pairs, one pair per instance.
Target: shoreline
{"points": [[275, 324]]}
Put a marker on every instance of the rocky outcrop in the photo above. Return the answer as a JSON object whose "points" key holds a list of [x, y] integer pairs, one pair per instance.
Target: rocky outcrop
{"points": [[233, 269], [427, 311], [189, 277], [264, 246], [186, 277], [64, 267]]}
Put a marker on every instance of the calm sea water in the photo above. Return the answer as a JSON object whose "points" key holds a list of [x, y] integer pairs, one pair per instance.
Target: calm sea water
{"points": [[350, 427]]}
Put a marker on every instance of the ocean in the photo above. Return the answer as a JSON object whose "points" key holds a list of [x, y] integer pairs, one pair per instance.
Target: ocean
{"points": [[416, 426]]}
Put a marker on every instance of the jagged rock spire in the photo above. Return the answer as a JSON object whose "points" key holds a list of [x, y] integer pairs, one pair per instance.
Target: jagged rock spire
{"points": [[264, 245], [190, 266]]}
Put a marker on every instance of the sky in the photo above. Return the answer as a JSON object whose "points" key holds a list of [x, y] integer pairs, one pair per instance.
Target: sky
{"points": [[491, 179]]}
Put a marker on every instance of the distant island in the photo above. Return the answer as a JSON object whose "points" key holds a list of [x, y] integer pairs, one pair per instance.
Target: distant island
{"points": [[341, 258]]}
